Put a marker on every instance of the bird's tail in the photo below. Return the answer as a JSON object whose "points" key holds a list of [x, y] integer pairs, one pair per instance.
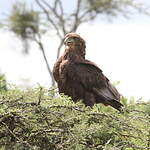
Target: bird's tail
{"points": [[107, 99], [115, 104]]}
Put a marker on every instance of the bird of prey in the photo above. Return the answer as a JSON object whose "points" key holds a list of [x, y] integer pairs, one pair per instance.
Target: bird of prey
{"points": [[82, 79]]}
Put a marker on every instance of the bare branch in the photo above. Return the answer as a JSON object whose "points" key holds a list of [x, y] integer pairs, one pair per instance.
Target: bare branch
{"points": [[55, 4], [87, 16], [39, 42], [61, 7], [62, 20], [76, 15], [59, 48], [49, 18], [56, 13]]}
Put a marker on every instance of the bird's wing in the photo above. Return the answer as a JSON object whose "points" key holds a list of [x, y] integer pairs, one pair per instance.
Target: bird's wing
{"points": [[86, 74], [56, 68], [92, 79]]}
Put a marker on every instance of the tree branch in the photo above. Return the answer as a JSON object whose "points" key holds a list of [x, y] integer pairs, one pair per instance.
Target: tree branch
{"points": [[39, 42], [76, 15], [56, 13], [59, 48], [49, 18]]}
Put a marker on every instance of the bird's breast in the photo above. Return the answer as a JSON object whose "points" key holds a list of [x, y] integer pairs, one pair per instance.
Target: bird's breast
{"points": [[63, 66]]}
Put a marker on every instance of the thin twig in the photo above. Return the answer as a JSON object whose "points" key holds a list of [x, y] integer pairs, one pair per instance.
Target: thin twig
{"points": [[49, 18], [17, 138]]}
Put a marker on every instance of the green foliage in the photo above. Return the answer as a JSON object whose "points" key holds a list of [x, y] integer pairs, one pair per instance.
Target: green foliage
{"points": [[22, 21], [111, 7], [3, 83], [34, 119]]}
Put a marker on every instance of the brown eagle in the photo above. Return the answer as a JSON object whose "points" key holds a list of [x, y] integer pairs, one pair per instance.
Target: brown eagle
{"points": [[82, 79]]}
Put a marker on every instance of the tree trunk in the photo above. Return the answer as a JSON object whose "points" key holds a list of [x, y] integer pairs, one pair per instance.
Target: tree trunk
{"points": [[59, 48], [47, 65]]}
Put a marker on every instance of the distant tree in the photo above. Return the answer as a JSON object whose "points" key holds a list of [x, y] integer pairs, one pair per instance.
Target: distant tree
{"points": [[25, 23], [31, 24]]}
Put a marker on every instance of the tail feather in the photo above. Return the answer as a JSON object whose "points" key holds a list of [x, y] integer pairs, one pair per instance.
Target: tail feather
{"points": [[107, 98], [115, 104]]}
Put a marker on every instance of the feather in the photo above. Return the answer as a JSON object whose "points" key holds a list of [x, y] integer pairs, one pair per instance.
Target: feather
{"points": [[81, 78], [107, 98]]}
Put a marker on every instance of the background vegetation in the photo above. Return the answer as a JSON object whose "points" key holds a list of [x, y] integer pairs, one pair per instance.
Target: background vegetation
{"points": [[55, 18], [34, 119]]}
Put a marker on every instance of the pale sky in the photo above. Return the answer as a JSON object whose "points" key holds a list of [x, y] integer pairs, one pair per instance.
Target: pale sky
{"points": [[121, 49]]}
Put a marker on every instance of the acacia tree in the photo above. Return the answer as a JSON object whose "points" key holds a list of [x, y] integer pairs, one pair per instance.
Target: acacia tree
{"points": [[52, 14]]}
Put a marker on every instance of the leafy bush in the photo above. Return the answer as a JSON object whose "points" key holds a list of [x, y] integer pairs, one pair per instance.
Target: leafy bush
{"points": [[34, 119], [3, 83]]}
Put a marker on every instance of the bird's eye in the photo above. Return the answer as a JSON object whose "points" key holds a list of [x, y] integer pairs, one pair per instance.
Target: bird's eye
{"points": [[69, 41], [75, 38]]}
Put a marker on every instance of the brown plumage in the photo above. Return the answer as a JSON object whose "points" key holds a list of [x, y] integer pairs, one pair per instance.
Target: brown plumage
{"points": [[82, 79]]}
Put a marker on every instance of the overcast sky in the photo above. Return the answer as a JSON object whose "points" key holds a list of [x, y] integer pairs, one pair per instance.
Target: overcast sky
{"points": [[121, 49]]}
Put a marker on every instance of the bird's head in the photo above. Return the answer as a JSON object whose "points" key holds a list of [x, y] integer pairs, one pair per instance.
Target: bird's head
{"points": [[74, 41]]}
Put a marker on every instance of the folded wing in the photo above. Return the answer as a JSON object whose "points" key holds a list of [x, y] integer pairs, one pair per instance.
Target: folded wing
{"points": [[92, 79]]}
